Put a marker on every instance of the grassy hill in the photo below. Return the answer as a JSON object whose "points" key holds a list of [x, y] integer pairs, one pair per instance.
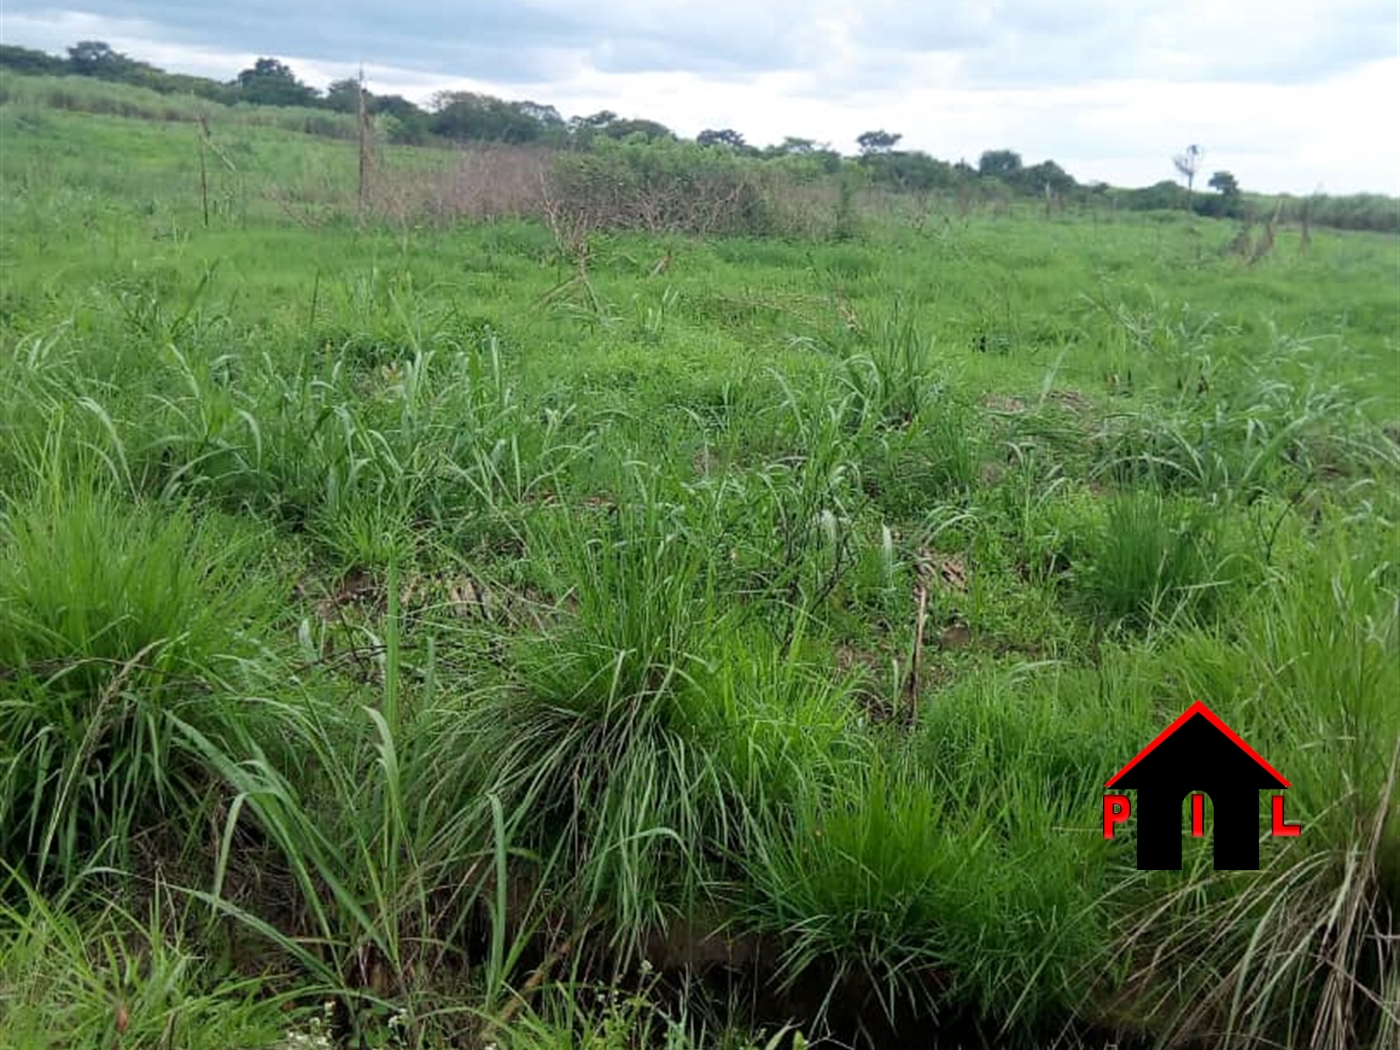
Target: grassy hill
{"points": [[536, 633]]}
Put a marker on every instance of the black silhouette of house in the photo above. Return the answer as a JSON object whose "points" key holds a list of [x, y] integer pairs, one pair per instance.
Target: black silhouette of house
{"points": [[1198, 752]]}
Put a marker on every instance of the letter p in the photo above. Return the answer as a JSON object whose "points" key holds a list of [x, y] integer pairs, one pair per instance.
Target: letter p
{"points": [[1116, 810]]}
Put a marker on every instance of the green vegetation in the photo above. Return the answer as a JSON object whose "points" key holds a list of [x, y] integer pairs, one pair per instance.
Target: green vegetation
{"points": [[694, 603]]}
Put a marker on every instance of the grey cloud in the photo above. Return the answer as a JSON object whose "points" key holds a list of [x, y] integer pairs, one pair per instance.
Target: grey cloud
{"points": [[880, 47], [1019, 42], [491, 40], [496, 40]]}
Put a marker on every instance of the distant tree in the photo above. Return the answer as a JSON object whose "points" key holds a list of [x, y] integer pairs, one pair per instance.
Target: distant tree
{"points": [[1047, 174], [912, 170], [877, 142], [647, 129], [596, 121], [343, 96], [553, 129], [412, 124], [271, 82], [823, 157], [1188, 162], [203, 87], [1225, 184], [465, 115], [28, 60], [468, 116], [94, 58], [726, 137], [1001, 164], [546, 115], [398, 106], [1160, 196], [1226, 203], [582, 130]]}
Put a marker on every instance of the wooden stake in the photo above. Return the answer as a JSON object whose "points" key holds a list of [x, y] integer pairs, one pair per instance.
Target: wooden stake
{"points": [[364, 153], [203, 168], [916, 667]]}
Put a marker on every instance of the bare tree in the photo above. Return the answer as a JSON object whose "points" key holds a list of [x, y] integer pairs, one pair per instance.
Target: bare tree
{"points": [[1188, 163]]}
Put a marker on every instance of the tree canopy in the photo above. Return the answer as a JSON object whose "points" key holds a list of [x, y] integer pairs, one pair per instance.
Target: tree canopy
{"points": [[726, 137], [1225, 184], [94, 58], [271, 82], [343, 96], [1004, 164], [877, 141], [466, 115]]}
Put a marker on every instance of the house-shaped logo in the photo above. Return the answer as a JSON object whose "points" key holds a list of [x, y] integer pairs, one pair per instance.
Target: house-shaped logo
{"points": [[1197, 753]]}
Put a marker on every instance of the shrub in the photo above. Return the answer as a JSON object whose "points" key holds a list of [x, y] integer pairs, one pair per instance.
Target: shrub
{"points": [[662, 187]]}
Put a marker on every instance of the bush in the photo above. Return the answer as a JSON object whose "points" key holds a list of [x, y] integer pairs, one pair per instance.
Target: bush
{"points": [[663, 186]]}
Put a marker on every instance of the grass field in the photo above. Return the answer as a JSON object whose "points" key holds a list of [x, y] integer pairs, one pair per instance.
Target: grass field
{"points": [[424, 635]]}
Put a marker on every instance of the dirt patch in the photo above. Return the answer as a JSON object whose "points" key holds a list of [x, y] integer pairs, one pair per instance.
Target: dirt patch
{"points": [[357, 588], [1071, 399], [868, 668], [942, 572], [954, 637], [1006, 405]]}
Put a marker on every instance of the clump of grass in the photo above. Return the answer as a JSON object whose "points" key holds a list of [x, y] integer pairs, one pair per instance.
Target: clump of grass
{"points": [[1270, 422], [909, 899], [892, 381], [913, 470], [777, 721], [1302, 952], [853, 881], [115, 619], [638, 589], [626, 1020], [649, 719], [383, 885], [1154, 560], [386, 868], [592, 745], [1050, 522], [916, 440]]}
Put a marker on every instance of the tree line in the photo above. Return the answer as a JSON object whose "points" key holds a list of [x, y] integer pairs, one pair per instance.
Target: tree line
{"points": [[462, 116]]}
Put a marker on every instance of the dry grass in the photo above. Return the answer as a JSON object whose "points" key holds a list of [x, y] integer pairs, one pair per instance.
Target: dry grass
{"points": [[482, 182]]}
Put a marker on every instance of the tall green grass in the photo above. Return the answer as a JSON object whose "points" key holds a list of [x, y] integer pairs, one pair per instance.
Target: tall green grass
{"points": [[117, 619], [73, 974], [1307, 945]]}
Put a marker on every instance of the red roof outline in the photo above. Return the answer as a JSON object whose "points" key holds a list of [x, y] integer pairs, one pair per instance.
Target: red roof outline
{"points": [[1198, 708]]}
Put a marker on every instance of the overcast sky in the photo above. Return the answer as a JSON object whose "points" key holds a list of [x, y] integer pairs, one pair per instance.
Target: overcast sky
{"points": [[1290, 95]]}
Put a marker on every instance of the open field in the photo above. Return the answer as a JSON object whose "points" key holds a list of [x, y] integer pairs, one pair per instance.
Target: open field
{"points": [[516, 639]]}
